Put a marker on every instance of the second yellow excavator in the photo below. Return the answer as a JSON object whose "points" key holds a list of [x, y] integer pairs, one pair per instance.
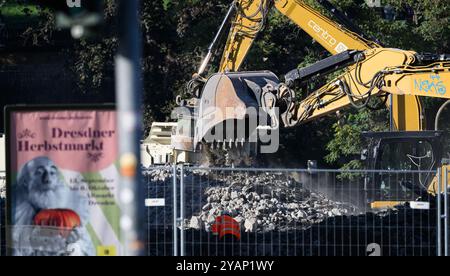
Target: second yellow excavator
{"points": [[231, 99]]}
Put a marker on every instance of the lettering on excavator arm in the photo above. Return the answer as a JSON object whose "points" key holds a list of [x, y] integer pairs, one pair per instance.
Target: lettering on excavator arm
{"points": [[432, 84], [327, 37]]}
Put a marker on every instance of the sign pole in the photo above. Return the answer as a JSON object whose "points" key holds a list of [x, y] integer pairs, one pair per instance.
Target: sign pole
{"points": [[129, 97]]}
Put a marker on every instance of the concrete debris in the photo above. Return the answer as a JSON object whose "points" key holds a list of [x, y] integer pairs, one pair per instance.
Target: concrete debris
{"points": [[271, 202], [195, 223], [251, 225], [160, 175], [261, 202], [2, 187]]}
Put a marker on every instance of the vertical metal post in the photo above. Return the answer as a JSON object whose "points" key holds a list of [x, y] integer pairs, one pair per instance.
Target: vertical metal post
{"points": [[182, 206], [128, 97], [175, 211], [439, 214], [391, 112], [446, 210]]}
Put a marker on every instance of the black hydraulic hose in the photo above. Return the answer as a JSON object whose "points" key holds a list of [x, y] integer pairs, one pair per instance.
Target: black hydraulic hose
{"points": [[344, 87], [216, 38]]}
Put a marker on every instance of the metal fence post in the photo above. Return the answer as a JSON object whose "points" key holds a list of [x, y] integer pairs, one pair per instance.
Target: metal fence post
{"points": [[439, 213], [182, 215], [128, 98], [446, 210], [2, 226], [175, 212]]}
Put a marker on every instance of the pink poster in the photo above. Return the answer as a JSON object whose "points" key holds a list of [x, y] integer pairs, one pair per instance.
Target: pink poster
{"points": [[63, 182]]}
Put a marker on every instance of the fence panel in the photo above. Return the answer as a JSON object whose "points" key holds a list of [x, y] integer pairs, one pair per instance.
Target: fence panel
{"points": [[446, 212], [255, 212], [443, 221], [2, 213], [162, 236]]}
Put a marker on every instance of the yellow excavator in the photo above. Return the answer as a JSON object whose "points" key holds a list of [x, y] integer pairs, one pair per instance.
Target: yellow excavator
{"points": [[398, 78]]}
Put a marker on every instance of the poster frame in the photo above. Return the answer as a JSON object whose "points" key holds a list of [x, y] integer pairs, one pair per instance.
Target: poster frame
{"points": [[8, 111]]}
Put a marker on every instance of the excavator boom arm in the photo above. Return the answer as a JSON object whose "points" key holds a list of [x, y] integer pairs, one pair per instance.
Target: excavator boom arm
{"points": [[252, 14], [349, 89]]}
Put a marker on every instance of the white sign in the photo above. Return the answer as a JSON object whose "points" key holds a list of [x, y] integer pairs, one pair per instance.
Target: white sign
{"points": [[420, 205], [74, 3], [155, 202]]}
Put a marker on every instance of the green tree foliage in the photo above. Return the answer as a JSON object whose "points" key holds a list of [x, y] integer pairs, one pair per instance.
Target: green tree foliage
{"points": [[430, 27], [346, 145], [174, 35], [34, 23]]}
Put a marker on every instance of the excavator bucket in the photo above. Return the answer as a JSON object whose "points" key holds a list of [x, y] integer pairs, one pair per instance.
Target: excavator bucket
{"points": [[229, 108]]}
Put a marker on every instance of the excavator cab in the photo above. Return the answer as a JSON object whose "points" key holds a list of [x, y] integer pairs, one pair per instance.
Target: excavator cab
{"points": [[400, 166]]}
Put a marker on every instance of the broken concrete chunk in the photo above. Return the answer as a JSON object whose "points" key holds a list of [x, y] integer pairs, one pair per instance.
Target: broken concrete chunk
{"points": [[250, 225], [196, 223]]}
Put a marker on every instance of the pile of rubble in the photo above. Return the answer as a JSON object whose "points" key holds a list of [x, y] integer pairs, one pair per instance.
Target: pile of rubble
{"points": [[259, 201], [266, 202]]}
